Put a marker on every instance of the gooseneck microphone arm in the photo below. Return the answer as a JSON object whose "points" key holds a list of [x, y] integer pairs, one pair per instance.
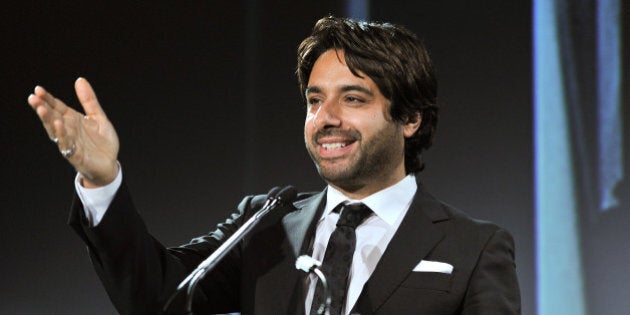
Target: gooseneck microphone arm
{"points": [[309, 264], [275, 198]]}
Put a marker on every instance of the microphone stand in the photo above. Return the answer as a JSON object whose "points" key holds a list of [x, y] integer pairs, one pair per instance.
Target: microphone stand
{"points": [[209, 263]]}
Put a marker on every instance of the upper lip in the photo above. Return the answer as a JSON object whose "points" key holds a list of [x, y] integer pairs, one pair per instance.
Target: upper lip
{"points": [[336, 136], [324, 139]]}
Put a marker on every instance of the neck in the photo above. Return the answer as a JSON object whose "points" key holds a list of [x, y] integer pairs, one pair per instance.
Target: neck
{"points": [[361, 189]]}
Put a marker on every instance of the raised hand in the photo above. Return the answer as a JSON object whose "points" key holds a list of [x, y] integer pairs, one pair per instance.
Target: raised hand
{"points": [[89, 142]]}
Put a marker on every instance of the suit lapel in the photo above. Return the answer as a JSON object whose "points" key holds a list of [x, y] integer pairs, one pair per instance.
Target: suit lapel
{"points": [[280, 289], [300, 224], [416, 236], [299, 227], [414, 239]]}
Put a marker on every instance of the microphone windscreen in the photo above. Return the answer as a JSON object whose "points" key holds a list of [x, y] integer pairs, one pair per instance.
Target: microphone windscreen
{"points": [[273, 192], [287, 194]]}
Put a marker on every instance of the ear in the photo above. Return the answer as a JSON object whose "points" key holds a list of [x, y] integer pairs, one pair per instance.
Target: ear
{"points": [[412, 125]]}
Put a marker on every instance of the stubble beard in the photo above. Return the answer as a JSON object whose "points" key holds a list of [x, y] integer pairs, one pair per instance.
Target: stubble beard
{"points": [[374, 161]]}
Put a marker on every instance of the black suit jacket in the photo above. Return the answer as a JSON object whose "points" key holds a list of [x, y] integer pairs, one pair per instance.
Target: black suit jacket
{"points": [[259, 276]]}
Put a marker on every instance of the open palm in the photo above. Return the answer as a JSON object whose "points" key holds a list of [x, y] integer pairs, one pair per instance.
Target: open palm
{"points": [[89, 142]]}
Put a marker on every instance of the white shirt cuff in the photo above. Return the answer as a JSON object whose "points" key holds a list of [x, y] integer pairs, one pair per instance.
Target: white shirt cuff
{"points": [[96, 200]]}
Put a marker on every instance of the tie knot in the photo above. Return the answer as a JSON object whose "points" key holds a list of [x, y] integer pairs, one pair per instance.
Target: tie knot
{"points": [[353, 214]]}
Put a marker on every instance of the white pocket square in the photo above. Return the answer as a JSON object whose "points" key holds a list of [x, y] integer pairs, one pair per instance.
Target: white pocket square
{"points": [[433, 266]]}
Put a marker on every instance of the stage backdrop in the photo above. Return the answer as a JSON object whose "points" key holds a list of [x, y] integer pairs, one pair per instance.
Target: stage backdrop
{"points": [[205, 101]]}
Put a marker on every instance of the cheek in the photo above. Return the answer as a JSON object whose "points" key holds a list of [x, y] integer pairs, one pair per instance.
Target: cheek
{"points": [[371, 122], [308, 127], [309, 118], [309, 122]]}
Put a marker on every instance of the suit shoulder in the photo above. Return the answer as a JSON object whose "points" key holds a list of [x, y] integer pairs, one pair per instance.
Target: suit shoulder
{"points": [[463, 216], [465, 224], [306, 195]]}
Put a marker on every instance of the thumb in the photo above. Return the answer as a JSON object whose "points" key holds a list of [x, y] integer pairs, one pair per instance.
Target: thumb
{"points": [[87, 97]]}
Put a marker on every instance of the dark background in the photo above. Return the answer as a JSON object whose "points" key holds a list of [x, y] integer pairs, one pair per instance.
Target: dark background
{"points": [[205, 102]]}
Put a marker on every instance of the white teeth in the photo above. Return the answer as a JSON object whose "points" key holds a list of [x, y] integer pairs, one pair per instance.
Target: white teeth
{"points": [[332, 146]]}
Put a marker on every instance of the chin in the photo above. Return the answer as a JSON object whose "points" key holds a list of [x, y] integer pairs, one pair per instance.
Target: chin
{"points": [[341, 177]]}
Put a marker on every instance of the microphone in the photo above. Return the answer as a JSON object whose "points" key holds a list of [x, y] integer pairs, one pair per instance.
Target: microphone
{"points": [[275, 197], [309, 264]]}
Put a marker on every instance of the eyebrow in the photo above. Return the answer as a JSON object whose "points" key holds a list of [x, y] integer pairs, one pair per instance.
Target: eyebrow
{"points": [[312, 89], [345, 88]]}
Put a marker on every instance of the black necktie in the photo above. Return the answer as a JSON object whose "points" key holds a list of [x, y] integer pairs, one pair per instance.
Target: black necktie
{"points": [[338, 257]]}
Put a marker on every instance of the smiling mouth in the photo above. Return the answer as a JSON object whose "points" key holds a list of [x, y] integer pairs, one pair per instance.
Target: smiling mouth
{"points": [[335, 141], [334, 145]]}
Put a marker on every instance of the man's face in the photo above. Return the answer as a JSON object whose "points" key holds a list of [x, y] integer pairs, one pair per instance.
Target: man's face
{"points": [[348, 131]]}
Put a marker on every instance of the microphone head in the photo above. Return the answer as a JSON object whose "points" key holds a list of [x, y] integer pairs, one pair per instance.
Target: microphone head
{"points": [[273, 192], [306, 263], [287, 194]]}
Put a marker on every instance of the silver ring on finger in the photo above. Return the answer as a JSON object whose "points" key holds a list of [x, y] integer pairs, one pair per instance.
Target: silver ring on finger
{"points": [[68, 153], [55, 140]]}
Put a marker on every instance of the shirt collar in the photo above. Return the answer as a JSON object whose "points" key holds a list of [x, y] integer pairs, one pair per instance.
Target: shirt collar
{"points": [[387, 204]]}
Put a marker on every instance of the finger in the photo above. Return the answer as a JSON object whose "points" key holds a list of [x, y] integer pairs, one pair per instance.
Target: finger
{"points": [[44, 112], [66, 146], [47, 120], [35, 102], [53, 102], [41, 92], [87, 97]]}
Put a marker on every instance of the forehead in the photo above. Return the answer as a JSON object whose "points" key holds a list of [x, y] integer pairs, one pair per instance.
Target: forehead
{"points": [[330, 71]]}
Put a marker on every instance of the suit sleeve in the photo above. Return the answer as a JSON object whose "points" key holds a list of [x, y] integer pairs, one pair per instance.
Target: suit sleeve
{"points": [[139, 273], [493, 287]]}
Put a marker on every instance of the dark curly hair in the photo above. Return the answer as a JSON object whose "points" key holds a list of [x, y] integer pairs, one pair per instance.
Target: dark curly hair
{"points": [[395, 59]]}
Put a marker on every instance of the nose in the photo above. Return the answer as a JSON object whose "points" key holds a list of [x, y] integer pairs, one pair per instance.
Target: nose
{"points": [[327, 115]]}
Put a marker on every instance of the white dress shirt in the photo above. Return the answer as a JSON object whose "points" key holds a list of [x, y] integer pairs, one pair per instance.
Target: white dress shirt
{"points": [[389, 206], [96, 200]]}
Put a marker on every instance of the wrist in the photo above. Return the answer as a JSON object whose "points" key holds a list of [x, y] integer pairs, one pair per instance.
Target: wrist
{"points": [[100, 181]]}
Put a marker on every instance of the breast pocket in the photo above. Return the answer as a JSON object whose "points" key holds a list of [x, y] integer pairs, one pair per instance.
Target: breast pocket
{"points": [[429, 280]]}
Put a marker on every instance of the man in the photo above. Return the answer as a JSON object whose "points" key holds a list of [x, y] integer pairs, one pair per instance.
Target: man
{"points": [[371, 111]]}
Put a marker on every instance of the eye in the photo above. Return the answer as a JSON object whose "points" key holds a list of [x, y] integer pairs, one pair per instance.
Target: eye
{"points": [[313, 102], [351, 100]]}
